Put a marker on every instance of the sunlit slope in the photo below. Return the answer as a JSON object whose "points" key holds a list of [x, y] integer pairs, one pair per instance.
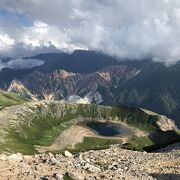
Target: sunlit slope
{"points": [[10, 99]]}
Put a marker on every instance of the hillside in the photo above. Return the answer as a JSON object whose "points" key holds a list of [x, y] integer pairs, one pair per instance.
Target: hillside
{"points": [[155, 88], [37, 125], [10, 99]]}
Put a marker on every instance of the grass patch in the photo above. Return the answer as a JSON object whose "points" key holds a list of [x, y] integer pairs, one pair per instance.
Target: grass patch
{"points": [[154, 141], [67, 177], [42, 133], [93, 143], [10, 99], [138, 143], [136, 117]]}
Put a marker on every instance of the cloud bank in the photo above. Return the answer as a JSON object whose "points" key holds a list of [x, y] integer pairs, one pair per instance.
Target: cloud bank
{"points": [[20, 63], [133, 29]]}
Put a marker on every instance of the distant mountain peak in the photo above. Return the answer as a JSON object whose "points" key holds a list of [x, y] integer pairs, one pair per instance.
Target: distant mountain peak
{"points": [[17, 87]]}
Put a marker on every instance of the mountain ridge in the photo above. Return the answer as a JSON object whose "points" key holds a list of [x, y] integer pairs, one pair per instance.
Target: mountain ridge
{"points": [[40, 123], [155, 87]]}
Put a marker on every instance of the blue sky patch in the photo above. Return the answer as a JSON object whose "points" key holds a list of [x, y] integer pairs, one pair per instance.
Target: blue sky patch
{"points": [[21, 18]]}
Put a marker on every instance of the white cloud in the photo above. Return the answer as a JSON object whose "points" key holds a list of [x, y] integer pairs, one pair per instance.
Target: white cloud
{"points": [[43, 35], [5, 42], [21, 63], [127, 29]]}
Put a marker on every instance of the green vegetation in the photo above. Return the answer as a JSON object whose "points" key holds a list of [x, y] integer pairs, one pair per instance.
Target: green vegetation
{"points": [[156, 140], [43, 123], [136, 117], [94, 143], [168, 103], [42, 131], [10, 99], [67, 177], [138, 143]]}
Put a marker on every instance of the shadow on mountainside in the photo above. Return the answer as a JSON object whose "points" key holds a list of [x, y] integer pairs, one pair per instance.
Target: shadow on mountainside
{"points": [[166, 176], [162, 139]]}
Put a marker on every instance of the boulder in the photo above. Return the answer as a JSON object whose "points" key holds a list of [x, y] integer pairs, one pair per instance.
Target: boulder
{"points": [[92, 168], [3, 157], [16, 157], [68, 154], [30, 160], [75, 176], [54, 161], [58, 176]]}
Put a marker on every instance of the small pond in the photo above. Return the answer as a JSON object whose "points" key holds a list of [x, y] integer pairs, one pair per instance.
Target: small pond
{"points": [[107, 128]]}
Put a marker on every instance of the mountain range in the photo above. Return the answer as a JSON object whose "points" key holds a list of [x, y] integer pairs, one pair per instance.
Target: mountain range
{"points": [[94, 77]]}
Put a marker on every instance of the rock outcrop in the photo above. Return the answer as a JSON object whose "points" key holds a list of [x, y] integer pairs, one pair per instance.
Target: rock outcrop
{"points": [[61, 84], [18, 88]]}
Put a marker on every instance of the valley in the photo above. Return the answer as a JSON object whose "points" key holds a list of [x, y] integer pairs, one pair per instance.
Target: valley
{"points": [[39, 123]]}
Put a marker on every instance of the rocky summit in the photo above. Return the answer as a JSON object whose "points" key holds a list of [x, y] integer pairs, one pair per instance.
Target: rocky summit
{"points": [[110, 164]]}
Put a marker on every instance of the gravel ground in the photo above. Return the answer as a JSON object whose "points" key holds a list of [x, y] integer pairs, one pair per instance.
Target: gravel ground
{"points": [[110, 164]]}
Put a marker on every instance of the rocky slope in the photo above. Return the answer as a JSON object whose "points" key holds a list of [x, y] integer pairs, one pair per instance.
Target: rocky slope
{"points": [[109, 164], [18, 88], [61, 84]]}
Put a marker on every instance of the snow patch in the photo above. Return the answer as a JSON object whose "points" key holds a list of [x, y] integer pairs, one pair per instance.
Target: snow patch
{"points": [[77, 99], [87, 99]]}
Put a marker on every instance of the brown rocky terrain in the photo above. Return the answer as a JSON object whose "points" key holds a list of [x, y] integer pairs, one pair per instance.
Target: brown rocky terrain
{"points": [[61, 84], [111, 164]]}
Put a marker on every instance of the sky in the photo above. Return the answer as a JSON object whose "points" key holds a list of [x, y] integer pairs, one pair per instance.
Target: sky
{"points": [[132, 29]]}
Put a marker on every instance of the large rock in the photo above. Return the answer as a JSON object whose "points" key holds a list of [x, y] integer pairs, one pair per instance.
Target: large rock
{"points": [[58, 176], [68, 154], [92, 168], [3, 157], [30, 159], [166, 124], [54, 161], [16, 157], [75, 176]]}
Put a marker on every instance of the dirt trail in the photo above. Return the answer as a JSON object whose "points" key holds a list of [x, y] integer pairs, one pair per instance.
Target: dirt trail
{"points": [[72, 136]]}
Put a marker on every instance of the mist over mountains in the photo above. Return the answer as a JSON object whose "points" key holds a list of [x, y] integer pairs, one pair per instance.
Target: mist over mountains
{"points": [[118, 28], [19, 63]]}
